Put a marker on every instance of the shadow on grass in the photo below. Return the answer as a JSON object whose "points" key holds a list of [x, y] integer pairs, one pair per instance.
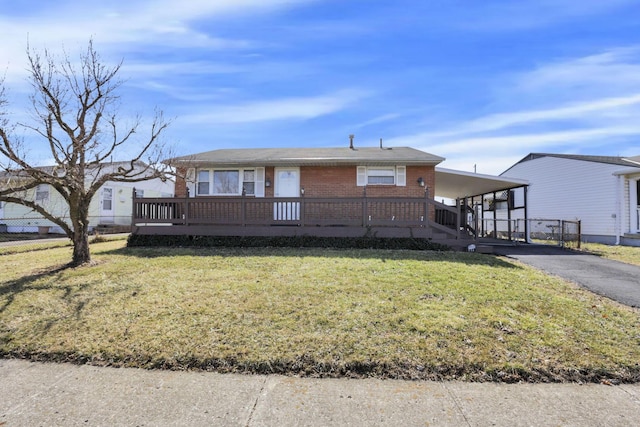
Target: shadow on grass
{"points": [[301, 252], [14, 287]]}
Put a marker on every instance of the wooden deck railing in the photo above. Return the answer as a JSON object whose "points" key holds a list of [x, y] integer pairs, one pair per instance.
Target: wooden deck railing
{"points": [[300, 211]]}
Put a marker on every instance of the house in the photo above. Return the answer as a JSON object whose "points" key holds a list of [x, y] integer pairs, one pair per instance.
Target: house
{"points": [[603, 192], [111, 208], [327, 192]]}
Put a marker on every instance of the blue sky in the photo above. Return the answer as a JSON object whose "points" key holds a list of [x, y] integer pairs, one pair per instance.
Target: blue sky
{"points": [[481, 83]]}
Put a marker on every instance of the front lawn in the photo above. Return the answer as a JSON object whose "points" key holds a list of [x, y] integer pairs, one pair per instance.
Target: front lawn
{"points": [[316, 312], [627, 254]]}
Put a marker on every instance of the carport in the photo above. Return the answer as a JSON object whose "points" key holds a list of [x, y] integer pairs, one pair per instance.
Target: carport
{"points": [[487, 201]]}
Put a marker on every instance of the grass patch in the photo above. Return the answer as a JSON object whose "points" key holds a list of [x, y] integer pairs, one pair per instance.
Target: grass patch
{"points": [[314, 312], [627, 254]]}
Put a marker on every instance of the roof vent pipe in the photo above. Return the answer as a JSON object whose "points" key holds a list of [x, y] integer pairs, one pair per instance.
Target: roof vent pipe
{"points": [[381, 144], [351, 141]]}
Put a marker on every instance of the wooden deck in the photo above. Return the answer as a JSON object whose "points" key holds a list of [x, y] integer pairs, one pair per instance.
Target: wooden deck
{"points": [[298, 216]]}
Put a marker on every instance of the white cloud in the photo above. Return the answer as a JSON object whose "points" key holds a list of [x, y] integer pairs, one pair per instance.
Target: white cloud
{"points": [[121, 26], [580, 105], [297, 108]]}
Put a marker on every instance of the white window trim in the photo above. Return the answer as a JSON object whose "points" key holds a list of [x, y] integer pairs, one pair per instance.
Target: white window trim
{"points": [[42, 189], [399, 175], [258, 181]]}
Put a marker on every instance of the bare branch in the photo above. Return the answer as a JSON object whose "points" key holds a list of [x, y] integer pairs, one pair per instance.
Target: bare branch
{"points": [[73, 107]]}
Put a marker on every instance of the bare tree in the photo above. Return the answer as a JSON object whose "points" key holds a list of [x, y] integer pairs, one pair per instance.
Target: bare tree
{"points": [[75, 115]]}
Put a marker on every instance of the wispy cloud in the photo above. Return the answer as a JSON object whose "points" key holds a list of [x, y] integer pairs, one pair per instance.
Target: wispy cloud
{"points": [[603, 90], [296, 108]]}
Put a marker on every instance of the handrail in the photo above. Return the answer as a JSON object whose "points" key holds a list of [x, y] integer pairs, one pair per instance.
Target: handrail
{"points": [[301, 211]]}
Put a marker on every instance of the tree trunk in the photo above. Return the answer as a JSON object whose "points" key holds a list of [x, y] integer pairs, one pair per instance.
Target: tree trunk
{"points": [[80, 221], [81, 253]]}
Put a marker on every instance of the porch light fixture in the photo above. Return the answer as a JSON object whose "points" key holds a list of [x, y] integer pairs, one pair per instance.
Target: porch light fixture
{"points": [[302, 191], [420, 182], [267, 182]]}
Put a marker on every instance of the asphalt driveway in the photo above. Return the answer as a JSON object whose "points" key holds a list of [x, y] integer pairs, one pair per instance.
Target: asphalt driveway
{"points": [[612, 279]]}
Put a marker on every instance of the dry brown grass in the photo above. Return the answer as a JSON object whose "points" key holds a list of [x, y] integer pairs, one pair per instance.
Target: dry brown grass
{"points": [[318, 312]]}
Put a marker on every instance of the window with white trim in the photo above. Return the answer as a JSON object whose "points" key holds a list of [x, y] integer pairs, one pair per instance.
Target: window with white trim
{"points": [[42, 193], [249, 182], [230, 182], [381, 175], [203, 183], [226, 182]]}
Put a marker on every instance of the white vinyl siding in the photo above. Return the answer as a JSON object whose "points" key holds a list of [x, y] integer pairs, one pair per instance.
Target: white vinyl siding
{"points": [[571, 189]]}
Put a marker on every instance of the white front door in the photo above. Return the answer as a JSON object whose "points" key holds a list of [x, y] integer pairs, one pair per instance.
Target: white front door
{"points": [[106, 206], [287, 184]]}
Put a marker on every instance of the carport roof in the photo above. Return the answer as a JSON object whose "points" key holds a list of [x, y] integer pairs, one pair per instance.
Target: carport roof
{"points": [[454, 184]]}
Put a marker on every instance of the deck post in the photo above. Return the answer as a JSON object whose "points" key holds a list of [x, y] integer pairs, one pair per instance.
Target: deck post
{"points": [[364, 207], [426, 206], [185, 201], [243, 210], [302, 208]]}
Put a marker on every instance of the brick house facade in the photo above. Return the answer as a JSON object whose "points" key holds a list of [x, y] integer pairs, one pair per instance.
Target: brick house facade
{"points": [[331, 172]]}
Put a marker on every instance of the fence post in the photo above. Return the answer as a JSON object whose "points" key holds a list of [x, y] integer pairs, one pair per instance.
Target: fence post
{"points": [[579, 232]]}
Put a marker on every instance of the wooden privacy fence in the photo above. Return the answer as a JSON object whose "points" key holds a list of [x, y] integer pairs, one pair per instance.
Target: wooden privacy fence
{"points": [[413, 212]]}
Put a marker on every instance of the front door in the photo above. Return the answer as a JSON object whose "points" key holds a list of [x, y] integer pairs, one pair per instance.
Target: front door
{"points": [[106, 206], [287, 184]]}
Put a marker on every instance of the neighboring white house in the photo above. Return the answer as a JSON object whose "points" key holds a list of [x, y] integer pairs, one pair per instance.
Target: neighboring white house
{"points": [[112, 205], [603, 192]]}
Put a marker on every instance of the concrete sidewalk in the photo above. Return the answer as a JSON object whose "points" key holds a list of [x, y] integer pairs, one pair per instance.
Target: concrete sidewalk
{"points": [[44, 394]]}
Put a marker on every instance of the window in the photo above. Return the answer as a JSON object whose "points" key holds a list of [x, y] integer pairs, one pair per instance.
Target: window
{"points": [[230, 182], [226, 182], [381, 176], [42, 193], [203, 183], [107, 199], [385, 175], [249, 182]]}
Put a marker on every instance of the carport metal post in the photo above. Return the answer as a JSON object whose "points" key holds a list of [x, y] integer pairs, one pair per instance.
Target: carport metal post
{"points": [[458, 219], [509, 215], [495, 217], [527, 238]]}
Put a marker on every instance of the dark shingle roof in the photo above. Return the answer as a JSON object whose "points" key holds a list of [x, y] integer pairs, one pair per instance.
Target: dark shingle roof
{"points": [[612, 160], [310, 157]]}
